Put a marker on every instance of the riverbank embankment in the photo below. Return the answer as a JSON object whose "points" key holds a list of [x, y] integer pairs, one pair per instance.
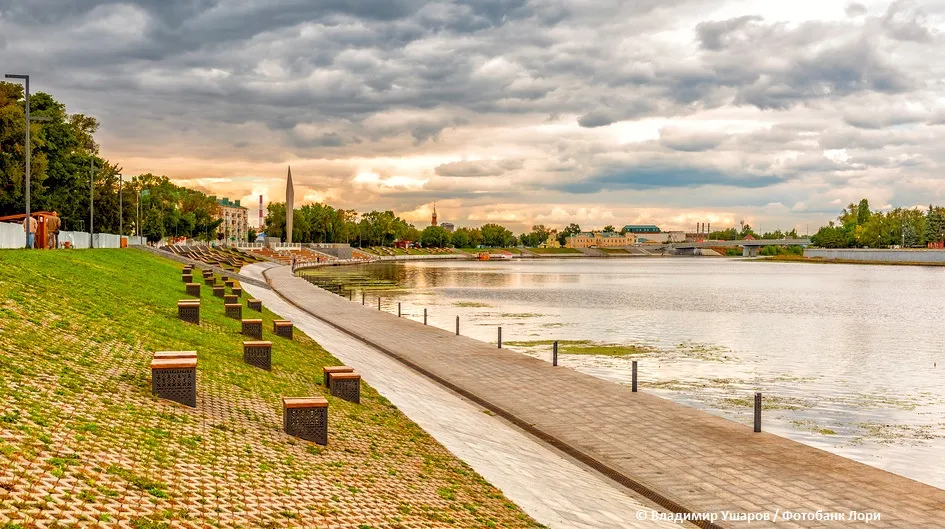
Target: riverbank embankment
{"points": [[919, 256], [682, 458]]}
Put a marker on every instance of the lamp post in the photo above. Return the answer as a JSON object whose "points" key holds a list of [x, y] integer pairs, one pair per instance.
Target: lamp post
{"points": [[121, 212], [91, 202], [26, 146]]}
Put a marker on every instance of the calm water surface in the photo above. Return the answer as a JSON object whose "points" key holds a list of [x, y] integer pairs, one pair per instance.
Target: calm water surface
{"points": [[849, 358]]}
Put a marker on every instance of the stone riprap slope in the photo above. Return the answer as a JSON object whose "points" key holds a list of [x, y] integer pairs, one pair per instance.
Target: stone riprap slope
{"points": [[83, 442]]}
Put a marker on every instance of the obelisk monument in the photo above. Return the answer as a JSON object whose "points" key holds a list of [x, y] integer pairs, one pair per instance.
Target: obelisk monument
{"points": [[289, 206]]}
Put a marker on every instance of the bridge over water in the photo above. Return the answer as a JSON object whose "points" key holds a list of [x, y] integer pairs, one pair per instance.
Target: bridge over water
{"points": [[749, 247]]}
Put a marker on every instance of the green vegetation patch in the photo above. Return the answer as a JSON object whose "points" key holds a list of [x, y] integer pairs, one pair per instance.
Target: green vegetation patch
{"points": [[552, 251], [585, 347]]}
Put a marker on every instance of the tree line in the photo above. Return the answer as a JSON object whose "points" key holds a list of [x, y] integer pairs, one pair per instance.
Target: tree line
{"points": [[67, 174], [858, 226]]}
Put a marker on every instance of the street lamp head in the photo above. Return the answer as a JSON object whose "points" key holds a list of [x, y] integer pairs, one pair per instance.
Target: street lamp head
{"points": [[16, 76]]}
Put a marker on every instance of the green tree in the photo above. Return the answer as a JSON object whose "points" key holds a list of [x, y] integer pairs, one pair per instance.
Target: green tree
{"points": [[153, 227], [830, 236], [610, 228], [571, 229], [496, 236], [863, 212], [435, 237], [461, 239], [251, 235]]}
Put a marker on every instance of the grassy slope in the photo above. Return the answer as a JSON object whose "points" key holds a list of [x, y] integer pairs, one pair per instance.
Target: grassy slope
{"points": [[553, 250], [81, 435]]}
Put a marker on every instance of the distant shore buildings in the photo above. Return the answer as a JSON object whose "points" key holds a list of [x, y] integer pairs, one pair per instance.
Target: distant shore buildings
{"points": [[630, 234]]}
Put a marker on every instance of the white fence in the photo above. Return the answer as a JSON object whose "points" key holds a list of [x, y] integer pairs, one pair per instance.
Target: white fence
{"points": [[12, 236]]}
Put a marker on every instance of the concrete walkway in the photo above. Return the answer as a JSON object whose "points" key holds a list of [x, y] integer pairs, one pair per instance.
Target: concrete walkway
{"points": [[553, 489], [682, 458]]}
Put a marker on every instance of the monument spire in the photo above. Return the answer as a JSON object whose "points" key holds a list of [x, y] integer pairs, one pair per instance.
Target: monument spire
{"points": [[289, 206]]}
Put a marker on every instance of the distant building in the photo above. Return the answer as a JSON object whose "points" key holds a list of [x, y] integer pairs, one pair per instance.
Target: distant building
{"points": [[599, 239], [235, 225], [448, 226], [641, 228]]}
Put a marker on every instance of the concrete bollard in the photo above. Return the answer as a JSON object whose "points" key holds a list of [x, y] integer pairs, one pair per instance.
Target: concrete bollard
{"points": [[424, 316], [554, 354], [757, 412], [457, 325], [500, 337], [633, 382], [398, 309]]}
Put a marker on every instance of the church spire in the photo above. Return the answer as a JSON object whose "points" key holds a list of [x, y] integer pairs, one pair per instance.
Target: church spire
{"points": [[433, 221]]}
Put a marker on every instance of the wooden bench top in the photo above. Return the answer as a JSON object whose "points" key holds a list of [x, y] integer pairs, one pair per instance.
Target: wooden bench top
{"points": [[337, 369], [232, 304], [257, 344], [252, 321], [253, 300], [304, 402], [173, 363], [193, 284], [346, 376], [188, 302], [175, 354], [282, 322]]}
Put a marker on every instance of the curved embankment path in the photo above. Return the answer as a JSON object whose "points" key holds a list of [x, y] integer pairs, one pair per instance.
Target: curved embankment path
{"points": [[550, 487], [684, 459]]}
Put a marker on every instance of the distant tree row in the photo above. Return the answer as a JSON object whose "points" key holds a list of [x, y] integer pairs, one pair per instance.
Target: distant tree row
{"points": [[858, 226]]}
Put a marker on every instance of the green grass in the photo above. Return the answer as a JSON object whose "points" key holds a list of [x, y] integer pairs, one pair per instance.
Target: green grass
{"points": [[616, 251], [77, 331], [477, 251], [553, 250], [584, 347]]}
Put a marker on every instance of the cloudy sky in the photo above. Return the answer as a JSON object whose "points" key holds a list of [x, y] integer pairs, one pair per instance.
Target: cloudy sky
{"points": [[517, 111]]}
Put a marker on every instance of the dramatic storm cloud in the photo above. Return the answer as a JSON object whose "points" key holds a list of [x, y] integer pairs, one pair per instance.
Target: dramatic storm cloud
{"points": [[519, 111]]}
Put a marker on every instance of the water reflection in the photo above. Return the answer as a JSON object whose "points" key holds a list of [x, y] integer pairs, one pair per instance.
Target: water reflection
{"points": [[850, 358]]}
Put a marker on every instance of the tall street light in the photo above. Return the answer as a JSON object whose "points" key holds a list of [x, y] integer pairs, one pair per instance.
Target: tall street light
{"points": [[27, 149], [91, 202], [121, 212]]}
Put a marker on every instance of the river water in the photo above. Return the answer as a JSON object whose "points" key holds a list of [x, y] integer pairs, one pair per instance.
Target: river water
{"points": [[849, 358]]}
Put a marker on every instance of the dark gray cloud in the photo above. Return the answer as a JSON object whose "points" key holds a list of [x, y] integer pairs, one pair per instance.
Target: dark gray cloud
{"points": [[854, 10], [655, 177], [475, 168]]}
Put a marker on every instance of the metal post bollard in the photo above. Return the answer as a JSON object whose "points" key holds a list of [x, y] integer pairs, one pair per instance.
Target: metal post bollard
{"points": [[554, 354], [350, 295], [500, 337], [633, 382], [424, 316], [378, 303], [398, 309], [363, 297], [757, 412], [457, 325]]}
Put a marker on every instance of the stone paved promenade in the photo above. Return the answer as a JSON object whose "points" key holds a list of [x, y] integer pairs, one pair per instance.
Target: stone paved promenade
{"points": [[680, 457], [553, 489]]}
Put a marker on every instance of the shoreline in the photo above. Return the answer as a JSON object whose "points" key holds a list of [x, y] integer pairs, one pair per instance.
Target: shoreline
{"points": [[821, 260]]}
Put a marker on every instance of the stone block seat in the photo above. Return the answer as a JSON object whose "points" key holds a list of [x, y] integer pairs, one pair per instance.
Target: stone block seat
{"points": [[189, 310], [258, 353], [282, 328], [175, 354], [328, 371], [346, 386], [187, 278], [229, 283], [306, 418], [218, 291], [234, 310], [238, 291], [209, 281], [254, 304], [253, 328], [175, 379], [231, 298], [193, 289]]}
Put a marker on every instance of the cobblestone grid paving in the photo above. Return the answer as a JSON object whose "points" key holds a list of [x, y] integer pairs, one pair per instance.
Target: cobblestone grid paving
{"points": [[84, 444]]}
